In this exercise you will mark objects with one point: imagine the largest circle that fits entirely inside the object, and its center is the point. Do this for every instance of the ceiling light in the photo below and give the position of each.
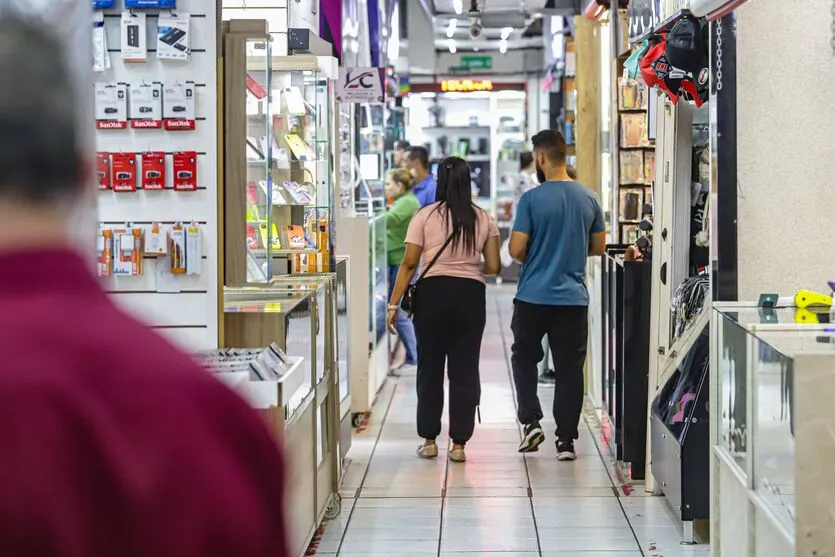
(452, 48)
(503, 46)
(458, 6)
(506, 32)
(476, 49)
(450, 31)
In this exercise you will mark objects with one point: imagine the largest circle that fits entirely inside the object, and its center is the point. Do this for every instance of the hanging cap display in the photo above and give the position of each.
(656, 70)
(687, 51)
(633, 62)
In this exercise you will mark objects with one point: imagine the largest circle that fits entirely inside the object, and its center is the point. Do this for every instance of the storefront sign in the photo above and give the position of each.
(466, 85)
(360, 85)
(477, 62)
(643, 16)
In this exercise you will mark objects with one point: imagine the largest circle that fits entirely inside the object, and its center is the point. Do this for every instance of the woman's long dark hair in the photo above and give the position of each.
(456, 200)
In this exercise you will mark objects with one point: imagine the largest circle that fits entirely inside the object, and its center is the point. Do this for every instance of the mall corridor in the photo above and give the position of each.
(498, 503)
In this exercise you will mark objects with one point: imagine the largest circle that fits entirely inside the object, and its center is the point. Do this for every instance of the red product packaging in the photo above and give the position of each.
(124, 171)
(103, 170)
(153, 170)
(185, 171)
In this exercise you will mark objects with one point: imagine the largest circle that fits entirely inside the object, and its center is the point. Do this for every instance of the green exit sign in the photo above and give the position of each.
(477, 62)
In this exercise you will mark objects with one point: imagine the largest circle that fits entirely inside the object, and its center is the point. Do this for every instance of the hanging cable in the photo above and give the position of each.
(688, 302)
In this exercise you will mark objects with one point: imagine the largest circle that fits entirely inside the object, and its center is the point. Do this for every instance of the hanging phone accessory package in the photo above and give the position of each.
(124, 172)
(146, 106)
(103, 170)
(173, 36)
(111, 106)
(134, 40)
(101, 58)
(179, 107)
(185, 171)
(153, 170)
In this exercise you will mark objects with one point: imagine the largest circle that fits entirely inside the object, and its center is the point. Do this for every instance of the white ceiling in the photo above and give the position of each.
(496, 17)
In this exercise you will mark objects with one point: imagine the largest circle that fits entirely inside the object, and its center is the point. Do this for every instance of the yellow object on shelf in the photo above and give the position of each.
(807, 298)
(300, 149)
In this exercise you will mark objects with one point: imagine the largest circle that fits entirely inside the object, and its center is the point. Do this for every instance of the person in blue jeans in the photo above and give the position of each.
(399, 183)
(558, 226)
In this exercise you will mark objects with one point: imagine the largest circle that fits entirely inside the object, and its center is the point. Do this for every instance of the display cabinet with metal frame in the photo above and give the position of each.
(772, 480)
(278, 187)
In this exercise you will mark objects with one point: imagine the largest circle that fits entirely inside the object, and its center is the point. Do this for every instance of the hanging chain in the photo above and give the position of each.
(719, 53)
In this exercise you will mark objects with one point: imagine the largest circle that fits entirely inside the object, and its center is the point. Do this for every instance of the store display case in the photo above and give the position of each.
(295, 318)
(771, 434)
(279, 193)
(625, 341)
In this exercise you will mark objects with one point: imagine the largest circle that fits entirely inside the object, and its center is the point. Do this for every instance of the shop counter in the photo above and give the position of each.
(773, 483)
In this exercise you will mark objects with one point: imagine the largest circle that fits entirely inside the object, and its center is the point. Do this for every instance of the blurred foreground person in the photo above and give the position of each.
(114, 443)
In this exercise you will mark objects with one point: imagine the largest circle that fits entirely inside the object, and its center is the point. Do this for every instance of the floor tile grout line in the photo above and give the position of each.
(518, 426)
(367, 468)
(443, 503)
(614, 487)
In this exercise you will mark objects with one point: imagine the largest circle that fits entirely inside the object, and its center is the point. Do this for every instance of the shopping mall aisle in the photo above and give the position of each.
(498, 503)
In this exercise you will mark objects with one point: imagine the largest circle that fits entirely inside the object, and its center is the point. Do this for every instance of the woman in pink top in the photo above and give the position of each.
(450, 315)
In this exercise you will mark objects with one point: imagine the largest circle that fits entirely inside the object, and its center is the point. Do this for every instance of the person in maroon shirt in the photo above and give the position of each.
(114, 443)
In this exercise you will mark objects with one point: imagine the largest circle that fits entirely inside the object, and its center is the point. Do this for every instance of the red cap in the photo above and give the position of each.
(655, 68)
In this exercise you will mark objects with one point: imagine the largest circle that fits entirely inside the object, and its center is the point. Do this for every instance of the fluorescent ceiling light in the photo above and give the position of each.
(450, 31)
(458, 6)
(506, 32)
(452, 48)
(503, 46)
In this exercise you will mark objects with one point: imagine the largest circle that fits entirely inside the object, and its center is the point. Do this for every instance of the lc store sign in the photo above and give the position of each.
(360, 85)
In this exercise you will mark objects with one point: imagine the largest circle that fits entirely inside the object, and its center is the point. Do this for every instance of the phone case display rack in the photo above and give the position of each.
(155, 86)
(636, 158)
(297, 314)
(278, 194)
(771, 443)
(626, 303)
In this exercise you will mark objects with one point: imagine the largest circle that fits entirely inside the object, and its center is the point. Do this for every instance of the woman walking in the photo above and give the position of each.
(452, 234)
(399, 183)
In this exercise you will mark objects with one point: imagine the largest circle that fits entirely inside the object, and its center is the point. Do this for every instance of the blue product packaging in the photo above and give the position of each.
(159, 4)
(103, 4)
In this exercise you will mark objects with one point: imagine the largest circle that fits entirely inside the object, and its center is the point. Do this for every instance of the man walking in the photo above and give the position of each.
(114, 442)
(558, 225)
(417, 162)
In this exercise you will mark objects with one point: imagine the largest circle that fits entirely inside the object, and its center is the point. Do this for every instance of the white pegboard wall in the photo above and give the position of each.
(184, 308)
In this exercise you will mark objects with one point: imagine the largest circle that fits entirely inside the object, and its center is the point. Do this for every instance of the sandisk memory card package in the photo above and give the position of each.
(185, 171)
(153, 170)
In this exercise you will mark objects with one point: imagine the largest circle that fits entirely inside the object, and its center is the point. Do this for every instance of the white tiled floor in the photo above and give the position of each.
(499, 503)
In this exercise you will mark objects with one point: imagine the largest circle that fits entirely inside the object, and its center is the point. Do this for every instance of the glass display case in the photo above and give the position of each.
(278, 189)
(378, 263)
(772, 431)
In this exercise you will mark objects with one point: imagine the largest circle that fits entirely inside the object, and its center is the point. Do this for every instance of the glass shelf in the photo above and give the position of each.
(278, 154)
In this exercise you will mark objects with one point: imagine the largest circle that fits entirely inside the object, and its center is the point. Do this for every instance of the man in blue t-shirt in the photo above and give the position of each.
(417, 162)
(558, 225)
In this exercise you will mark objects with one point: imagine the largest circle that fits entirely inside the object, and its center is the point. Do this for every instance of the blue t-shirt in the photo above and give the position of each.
(426, 191)
(558, 218)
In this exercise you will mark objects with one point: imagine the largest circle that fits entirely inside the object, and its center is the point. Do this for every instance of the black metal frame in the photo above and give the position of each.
(626, 295)
(725, 268)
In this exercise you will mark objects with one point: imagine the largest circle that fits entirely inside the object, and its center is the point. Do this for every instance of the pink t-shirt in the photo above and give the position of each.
(430, 228)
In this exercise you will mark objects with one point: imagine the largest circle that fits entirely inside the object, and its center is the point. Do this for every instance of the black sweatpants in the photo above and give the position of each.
(567, 329)
(449, 323)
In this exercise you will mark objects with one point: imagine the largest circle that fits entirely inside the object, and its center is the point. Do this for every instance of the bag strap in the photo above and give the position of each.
(437, 255)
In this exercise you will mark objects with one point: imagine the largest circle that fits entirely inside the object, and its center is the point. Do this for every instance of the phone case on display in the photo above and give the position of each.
(185, 171)
(177, 249)
(124, 171)
(153, 170)
(103, 170)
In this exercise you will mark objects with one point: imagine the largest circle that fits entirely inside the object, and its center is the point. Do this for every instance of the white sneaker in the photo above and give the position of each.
(428, 450)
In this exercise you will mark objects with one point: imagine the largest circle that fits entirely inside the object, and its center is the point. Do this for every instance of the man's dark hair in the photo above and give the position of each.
(401, 145)
(40, 159)
(525, 160)
(421, 155)
(552, 143)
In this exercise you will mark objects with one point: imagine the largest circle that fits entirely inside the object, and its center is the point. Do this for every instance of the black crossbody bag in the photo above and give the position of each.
(407, 304)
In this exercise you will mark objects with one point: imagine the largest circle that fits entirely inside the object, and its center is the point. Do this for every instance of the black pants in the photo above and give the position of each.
(567, 329)
(449, 322)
